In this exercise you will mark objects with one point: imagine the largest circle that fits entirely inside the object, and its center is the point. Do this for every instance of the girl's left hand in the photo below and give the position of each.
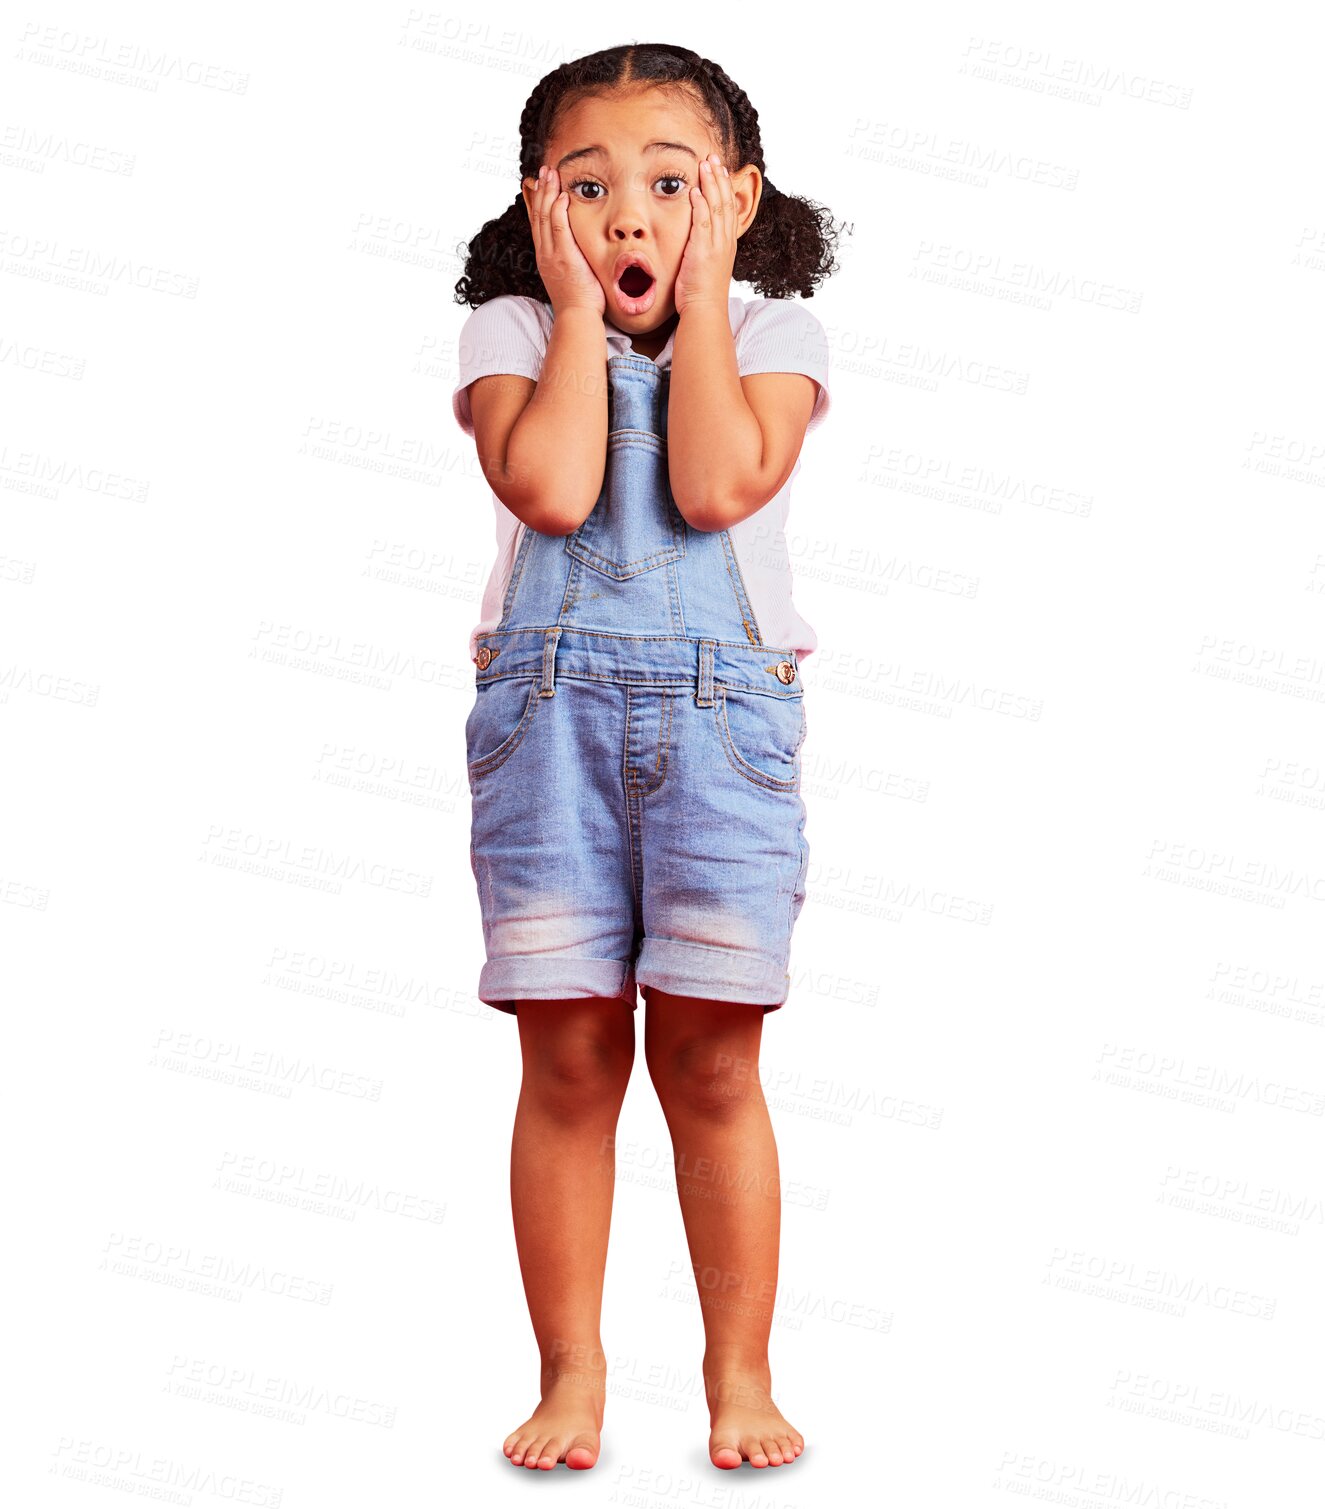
(710, 252)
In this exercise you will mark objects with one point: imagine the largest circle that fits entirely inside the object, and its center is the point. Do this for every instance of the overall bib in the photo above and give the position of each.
(634, 752)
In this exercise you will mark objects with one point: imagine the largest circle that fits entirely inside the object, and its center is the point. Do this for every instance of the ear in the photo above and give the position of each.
(747, 190)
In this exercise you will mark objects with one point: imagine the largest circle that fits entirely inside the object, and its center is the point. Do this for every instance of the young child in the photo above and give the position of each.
(634, 744)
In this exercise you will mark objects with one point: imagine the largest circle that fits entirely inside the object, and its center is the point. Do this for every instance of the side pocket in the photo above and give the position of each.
(762, 737)
(498, 721)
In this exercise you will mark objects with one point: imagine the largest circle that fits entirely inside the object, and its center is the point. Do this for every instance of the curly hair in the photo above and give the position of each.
(788, 246)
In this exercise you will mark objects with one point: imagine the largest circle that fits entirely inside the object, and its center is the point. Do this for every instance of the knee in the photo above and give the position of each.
(705, 1075)
(578, 1076)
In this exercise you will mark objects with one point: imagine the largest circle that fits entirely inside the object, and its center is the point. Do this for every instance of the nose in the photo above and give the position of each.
(628, 214)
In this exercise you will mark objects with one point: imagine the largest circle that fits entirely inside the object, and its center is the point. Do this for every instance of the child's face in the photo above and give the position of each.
(628, 197)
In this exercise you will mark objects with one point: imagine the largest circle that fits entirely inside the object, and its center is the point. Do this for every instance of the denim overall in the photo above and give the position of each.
(634, 751)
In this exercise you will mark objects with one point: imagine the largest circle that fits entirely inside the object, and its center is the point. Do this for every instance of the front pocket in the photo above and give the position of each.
(499, 720)
(635, 525)
(762, 736)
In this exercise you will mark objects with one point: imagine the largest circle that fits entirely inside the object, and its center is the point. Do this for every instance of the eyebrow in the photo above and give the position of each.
(653, 146)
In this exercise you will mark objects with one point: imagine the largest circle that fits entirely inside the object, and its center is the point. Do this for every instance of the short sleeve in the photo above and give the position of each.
(781, 335)
(506, 334)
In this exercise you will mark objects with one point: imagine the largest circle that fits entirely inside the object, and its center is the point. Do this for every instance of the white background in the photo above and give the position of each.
(1048, 1090)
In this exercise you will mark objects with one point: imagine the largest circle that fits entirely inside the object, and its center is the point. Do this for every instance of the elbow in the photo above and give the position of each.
(555, 519)
(547, 514)
(706, 521)
(713, 510)
(703, 514)
(708, 515)
(722, 510)
(546, 499)
(555, 513)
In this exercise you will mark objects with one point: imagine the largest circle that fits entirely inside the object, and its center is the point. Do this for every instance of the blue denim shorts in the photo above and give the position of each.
(636, 815)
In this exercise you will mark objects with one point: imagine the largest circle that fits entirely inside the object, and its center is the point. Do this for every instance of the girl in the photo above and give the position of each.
(634, 743)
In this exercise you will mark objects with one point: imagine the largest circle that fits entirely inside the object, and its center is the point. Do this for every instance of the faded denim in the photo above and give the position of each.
(634, 752)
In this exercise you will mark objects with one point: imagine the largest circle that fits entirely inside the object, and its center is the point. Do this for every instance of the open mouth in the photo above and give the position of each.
(635, 282)
(635, 290)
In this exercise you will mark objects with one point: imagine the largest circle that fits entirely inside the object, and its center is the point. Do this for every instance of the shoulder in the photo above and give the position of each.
(506, 335)
(777, 317)
(782, 335)
(511, 321)
(781, 329)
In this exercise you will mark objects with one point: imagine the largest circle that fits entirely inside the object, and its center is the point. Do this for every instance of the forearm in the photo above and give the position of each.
(714, 481)
(557, 448)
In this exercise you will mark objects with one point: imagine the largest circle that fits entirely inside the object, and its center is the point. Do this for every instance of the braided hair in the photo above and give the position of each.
(787, 248)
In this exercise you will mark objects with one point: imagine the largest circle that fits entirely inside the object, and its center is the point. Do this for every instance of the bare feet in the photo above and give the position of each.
(746, 1424)
(565, 1425)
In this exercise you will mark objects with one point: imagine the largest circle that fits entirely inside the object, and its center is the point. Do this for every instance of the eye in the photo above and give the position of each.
(679, 179)
(583, 183)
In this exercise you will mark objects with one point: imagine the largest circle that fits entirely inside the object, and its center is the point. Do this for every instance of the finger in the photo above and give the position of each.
(547, 205)
(732, 214)
(539, 219)
(557, 201)
(728, 197)
(559, 212)
(538, 211)
(719, 192)
(713, 198)
(725, 210)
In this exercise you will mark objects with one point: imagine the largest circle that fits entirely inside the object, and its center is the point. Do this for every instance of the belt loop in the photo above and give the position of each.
(704, 691)
(549, 686)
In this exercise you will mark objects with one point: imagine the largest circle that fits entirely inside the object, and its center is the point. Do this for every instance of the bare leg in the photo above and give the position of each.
(703, 1058)
(577, 1060)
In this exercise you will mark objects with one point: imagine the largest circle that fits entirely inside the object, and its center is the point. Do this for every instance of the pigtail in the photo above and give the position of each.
(788, 248)
(501, 259)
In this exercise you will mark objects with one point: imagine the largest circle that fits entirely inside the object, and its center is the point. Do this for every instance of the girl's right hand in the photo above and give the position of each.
(566, 274)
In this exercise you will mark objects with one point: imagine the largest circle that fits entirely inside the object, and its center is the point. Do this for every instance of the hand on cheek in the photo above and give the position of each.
(563, 267)
(710, 252)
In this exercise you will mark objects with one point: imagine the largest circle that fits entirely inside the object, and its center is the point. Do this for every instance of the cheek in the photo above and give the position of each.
(675, 224)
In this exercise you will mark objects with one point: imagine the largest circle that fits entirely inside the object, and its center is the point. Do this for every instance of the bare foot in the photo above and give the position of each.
(565, 1426)
(746, 1424)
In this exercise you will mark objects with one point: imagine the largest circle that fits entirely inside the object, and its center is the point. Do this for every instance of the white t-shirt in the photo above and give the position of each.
(510, 334)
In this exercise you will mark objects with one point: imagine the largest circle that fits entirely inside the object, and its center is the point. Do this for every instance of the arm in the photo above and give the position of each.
(543, 445)
(762, 419)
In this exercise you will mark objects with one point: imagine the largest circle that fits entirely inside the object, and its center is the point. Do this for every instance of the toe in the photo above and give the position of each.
(786, 1448)
(772, 1451)
(516, 1452)
(532, 1453)
(724, 1451)
(550, 1455)
(753, 1447)
(582, 1452)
